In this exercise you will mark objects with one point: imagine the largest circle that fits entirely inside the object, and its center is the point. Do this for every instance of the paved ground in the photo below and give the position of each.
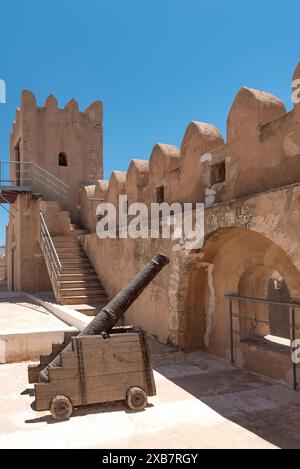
(202, 402)
(20, 314)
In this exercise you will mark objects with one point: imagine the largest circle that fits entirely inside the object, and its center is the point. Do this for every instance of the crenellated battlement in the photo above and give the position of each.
(261, 152)
(63, 141)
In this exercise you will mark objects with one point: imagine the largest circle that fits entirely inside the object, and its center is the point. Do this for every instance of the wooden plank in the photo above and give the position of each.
(44, 393)
(70, 387)
(56, 374)
(105, 358)
(115, 338)
(43, 403)
(110, 349)
(69, 355)
(100, 367)
(61, 374)
(151, 388)
(95, 386)
(97, 397)
(116, 380)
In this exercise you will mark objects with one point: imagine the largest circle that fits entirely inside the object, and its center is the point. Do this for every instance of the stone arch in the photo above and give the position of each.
(217, 269)
(257, 282)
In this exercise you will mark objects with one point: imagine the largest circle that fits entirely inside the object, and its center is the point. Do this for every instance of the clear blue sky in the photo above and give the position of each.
(156, 64)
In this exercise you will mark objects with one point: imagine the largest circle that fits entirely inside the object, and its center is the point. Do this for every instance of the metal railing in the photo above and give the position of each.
(12, 210)
(292, 323)
(53, 263)
(31, 177)
(3, 272)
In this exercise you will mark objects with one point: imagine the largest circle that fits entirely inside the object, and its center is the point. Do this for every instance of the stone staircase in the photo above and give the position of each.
(79, 285)
(3, 286)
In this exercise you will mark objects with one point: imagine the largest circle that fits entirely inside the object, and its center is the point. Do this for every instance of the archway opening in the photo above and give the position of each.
(267, 321)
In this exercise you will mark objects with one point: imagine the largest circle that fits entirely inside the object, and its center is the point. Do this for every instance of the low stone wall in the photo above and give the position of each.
(17, 346)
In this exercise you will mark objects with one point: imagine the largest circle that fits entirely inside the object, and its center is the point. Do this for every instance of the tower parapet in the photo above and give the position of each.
(65, 142)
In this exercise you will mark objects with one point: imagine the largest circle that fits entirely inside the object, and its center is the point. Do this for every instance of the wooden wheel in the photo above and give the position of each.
(61, 407)
(136, 398)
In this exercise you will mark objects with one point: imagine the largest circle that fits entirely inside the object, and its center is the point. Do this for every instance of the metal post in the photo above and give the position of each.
(231, 332)
(292, 338)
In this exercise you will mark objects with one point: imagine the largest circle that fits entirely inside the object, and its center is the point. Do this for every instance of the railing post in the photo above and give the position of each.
(292, 338)
(231, 332)
(52, 260)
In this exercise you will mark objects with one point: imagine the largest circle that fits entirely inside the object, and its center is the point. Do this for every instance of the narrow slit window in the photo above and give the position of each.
(160, 194)
(62, 159)
(218, 173)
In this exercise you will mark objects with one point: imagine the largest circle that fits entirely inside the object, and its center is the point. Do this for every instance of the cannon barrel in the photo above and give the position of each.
(108, 317)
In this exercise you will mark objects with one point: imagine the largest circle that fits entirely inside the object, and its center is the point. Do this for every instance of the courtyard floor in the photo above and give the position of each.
(19, 314)
(201, 402)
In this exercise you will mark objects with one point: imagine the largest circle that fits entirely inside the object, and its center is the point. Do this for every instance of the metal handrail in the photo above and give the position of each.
(3, 272)
(29, 175)
(52, 260)
(293, 307)
(12, 207)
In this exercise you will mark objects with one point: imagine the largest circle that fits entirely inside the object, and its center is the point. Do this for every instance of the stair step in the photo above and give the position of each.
(64, 237)
(81, 284)
(76, 261)
(79, 277)
(79, 270)
(72, 255)
(80, 231)
(66, 292)
(83, 299)
(70, 241)
(68, 248)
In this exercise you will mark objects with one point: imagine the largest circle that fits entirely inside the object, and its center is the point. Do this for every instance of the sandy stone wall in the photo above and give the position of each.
(40, 134)
(250, 188)
(26, 268)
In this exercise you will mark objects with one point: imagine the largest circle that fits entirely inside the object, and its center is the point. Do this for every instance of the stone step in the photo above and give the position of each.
(67, 248)
(69, 262)
(72, 255)
(81, 276)
(80, 270)
(65, 292)
(69, 241)
(65, 237)
(79, 231)
(81, 284)
(83, 299)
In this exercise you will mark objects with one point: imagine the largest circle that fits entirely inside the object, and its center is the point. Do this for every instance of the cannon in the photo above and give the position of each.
(103, 363)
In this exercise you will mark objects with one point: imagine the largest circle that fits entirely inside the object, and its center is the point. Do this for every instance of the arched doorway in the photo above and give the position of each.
(269, 321)
(236, 261)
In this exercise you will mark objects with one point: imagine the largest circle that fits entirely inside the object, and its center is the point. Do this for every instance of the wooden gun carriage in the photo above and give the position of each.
(99, 370)
(103, 363)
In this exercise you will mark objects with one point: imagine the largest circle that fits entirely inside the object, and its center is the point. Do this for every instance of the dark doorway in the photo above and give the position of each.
(278, 314)
(62, 159)
(17, 157)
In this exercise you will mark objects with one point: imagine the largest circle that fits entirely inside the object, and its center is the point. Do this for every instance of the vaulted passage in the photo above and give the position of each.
(245, 263)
